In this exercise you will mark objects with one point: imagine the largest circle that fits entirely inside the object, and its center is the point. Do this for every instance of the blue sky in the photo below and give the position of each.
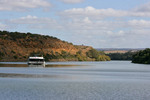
(97, 23)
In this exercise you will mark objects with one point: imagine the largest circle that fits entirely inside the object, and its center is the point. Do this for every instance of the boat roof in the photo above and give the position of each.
(36, 57)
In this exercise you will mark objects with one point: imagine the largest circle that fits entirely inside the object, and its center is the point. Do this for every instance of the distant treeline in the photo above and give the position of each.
(142, 57)
(121, 56)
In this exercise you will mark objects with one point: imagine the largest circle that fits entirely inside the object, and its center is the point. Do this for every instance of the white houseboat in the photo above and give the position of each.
(36, 62)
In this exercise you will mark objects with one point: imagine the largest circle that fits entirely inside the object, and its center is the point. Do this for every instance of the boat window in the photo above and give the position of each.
(36, 59)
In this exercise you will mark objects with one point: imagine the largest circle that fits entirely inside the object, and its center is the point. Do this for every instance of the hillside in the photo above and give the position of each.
(16, 46)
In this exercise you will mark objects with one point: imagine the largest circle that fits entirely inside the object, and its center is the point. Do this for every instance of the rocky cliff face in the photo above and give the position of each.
(15, 46)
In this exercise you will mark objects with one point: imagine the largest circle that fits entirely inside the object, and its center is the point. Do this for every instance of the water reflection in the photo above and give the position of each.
(49, 65)
(13, 65)
(62, 65)
(15, 75)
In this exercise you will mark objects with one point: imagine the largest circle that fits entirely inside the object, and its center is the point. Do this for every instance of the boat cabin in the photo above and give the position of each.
(36, 62)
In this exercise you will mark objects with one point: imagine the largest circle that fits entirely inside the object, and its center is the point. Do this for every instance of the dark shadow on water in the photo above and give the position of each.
(13, 65)
(49, 65)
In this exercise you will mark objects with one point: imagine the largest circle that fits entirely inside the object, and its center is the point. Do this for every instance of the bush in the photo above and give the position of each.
(15, 57)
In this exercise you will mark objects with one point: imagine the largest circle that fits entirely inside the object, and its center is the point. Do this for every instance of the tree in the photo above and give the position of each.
(93, 53)
(142, 57)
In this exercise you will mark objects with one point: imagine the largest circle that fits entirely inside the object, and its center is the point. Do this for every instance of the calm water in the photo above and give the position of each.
(114, 80)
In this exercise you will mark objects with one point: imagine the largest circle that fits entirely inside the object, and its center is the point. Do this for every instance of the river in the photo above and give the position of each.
(112, 80)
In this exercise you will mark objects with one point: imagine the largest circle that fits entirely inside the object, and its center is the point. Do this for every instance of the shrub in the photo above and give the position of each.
(15, 57)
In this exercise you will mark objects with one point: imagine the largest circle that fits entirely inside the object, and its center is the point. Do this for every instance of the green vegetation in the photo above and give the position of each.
(1, 55)
(97, 55)
(17, 35)
(80, 56)
(142, 57)
(13, 52)
(92, 55)
(16, 57)
(63, 55)
(121, 56)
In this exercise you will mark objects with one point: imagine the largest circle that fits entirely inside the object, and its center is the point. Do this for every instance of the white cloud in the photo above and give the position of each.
(35, 22)
(72, 1)
(141, 11)
(19, 5)
(93, 13)
(139, 24)
(29, 17)
(140, 33)
(143, 8)
(87, 20)
(117, 34)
